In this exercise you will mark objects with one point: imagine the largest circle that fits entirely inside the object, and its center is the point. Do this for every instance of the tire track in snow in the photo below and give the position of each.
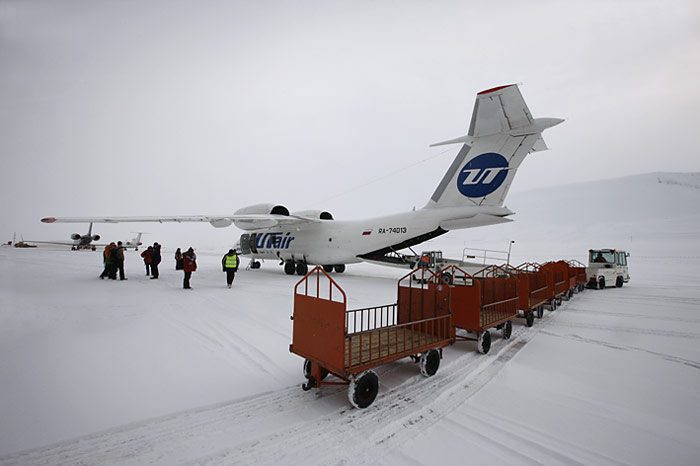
(398, 415)
(640, 316)
(276, 427)
(633, 330)
(668, 357)
(502, 430)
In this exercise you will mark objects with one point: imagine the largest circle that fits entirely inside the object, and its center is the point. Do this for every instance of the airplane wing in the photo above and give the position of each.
(244, 221)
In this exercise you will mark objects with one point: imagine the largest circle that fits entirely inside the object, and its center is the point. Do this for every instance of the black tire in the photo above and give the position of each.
(302, 269)
(619, 282)
(429, 362)
(363, 389)
(446, 278)
(507, 330)
(540, 311)
(328, 268)
(601, 283)
(255, 265)
(483, 344)
(529, 318)
(339, 268)
(289, 268)
(307, 370)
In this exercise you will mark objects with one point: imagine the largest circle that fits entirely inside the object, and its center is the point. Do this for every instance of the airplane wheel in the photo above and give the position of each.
(289, 268)
(328, 268)
(340, 268)
(302, 269)
(446, 278)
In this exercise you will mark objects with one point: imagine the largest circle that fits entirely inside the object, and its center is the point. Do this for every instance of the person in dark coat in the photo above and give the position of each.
(107, 261)
(178, 259)
(230, 265)
(147, 259)
(119, 260)
(189, 265)
(155, 260)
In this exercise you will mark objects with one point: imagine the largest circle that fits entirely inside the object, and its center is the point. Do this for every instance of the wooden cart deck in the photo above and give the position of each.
(368, 346)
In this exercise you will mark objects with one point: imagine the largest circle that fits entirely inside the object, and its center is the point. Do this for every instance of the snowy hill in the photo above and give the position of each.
(650, 215)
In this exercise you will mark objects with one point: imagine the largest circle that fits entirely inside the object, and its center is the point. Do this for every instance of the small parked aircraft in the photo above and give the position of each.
(86, 241)
(471, 194)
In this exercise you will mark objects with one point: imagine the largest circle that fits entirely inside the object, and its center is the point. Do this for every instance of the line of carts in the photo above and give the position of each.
(432, 310)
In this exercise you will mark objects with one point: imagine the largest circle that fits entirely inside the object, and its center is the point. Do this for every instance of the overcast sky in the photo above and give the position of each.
(203, 107)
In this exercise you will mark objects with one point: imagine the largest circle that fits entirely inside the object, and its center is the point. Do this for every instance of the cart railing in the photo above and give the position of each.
(314, 285)
(495, 312)
(369, 348)
(370, 318)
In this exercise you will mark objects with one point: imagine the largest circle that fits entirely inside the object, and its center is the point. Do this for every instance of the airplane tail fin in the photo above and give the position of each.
(502, 132)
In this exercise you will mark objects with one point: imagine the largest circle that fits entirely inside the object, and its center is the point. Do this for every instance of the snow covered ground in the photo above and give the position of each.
(143, 372)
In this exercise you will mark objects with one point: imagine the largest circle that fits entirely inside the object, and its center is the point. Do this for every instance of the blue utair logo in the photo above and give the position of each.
(482, 175)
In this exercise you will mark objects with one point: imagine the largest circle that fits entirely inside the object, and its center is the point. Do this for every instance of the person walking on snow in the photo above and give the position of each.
(230, 265)
(189, 265)
(155, 260)
(119, 260)
(147, 259)
(178, 259)
(107, 260)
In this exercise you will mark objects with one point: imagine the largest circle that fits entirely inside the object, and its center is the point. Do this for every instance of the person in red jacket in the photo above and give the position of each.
(189, 265)
(147, 259)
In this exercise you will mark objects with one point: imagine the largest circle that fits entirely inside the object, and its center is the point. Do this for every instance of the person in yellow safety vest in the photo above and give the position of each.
(230, 265)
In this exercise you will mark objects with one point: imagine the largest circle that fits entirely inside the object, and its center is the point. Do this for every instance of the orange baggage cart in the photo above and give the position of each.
(488, 299)
(350, 343)
(532, 290)
(557, 282)
(579, 271)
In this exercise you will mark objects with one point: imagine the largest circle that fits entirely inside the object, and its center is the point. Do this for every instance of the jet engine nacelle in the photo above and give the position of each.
(75, 236)
(259, 209)
(96, 238)
(319, 214)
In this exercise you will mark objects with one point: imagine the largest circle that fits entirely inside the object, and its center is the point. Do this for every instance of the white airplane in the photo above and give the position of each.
(86, 241)
(471, 194)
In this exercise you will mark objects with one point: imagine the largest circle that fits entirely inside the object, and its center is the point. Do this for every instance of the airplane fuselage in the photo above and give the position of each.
(343, 242)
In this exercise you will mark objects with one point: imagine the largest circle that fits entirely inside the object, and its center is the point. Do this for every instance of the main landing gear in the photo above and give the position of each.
(301, 268)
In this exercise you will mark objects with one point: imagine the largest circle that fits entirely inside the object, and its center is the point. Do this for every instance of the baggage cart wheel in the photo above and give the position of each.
(529, 318)
(483, 343)
(429, 362)
(540, 311)
(619, 282)
(552, 304)
(507, 330)
(559, 301)
(601, 283)
(363, 389)
(307, 370)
